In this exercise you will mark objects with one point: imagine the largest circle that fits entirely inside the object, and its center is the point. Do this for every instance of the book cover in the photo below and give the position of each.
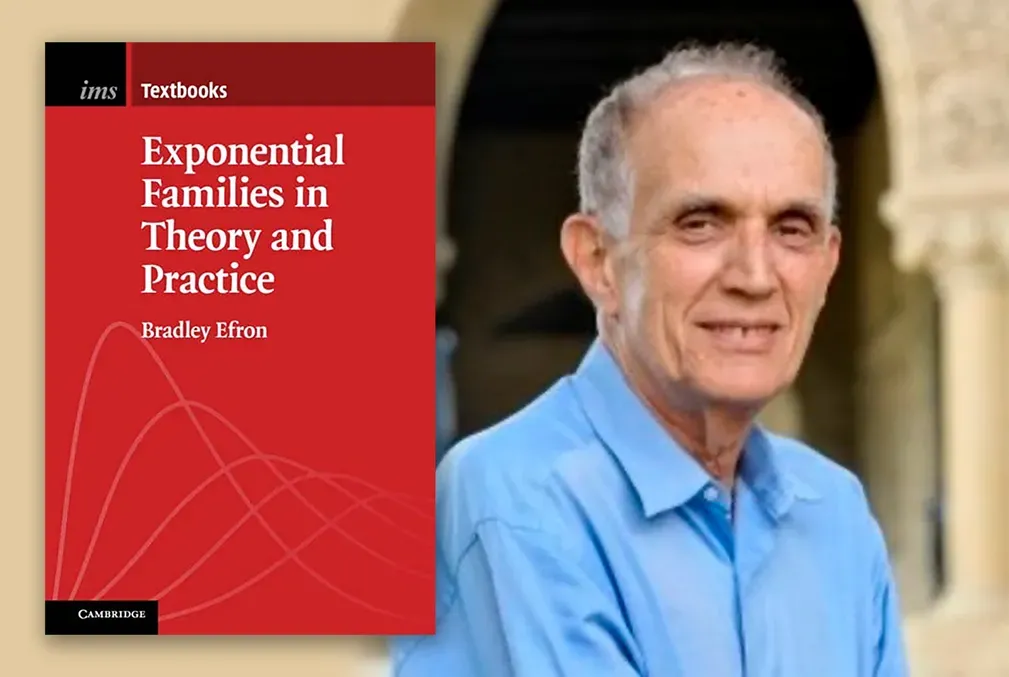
(240, 292)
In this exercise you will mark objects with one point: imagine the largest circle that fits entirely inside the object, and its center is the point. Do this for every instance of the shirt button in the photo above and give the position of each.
(711, 494)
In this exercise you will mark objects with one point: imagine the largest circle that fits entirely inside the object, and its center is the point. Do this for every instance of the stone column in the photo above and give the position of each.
(973, 340)
(965, 248)
(965, 245)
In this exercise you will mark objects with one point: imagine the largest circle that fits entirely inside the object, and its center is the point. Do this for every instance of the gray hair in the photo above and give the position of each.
(604, 175)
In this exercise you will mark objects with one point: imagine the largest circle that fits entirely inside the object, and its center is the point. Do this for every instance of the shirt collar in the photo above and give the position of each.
(764, 471)
(663, 474)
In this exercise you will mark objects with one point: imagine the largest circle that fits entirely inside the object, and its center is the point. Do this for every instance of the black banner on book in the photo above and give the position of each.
(86, 74)
(101, 618)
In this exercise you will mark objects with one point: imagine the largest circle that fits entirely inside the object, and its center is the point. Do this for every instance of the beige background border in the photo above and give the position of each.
(24, 649)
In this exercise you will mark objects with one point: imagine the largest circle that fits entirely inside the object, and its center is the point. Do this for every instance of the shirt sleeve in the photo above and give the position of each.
(891, 659)
(531, 611)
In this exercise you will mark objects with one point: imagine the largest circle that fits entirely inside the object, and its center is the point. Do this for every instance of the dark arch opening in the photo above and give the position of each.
(541, 65)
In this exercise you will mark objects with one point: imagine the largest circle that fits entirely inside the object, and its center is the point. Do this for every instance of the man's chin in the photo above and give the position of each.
(748, 396)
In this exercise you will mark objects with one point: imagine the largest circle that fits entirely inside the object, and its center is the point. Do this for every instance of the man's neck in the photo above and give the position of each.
(713, 434)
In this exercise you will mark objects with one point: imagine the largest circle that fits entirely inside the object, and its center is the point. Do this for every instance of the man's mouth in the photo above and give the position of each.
(742, 336)
(741, 329)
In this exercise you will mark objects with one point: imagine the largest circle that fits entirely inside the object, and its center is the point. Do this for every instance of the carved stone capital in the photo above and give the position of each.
(960, 241)
(959, 60)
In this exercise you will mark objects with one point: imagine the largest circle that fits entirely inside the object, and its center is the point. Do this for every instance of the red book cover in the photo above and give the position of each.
(239, 275)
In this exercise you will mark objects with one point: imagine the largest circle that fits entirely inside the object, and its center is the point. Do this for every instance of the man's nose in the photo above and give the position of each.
(749, 266)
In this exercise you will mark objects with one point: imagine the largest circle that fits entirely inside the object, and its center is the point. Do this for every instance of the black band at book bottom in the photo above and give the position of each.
(118, 617)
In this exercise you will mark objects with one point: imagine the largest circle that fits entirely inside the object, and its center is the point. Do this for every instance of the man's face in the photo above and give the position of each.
(730, 248)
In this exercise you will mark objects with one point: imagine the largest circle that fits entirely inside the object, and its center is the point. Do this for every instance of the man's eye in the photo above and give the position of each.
(696, 225)
(697, 229)
(795, 229)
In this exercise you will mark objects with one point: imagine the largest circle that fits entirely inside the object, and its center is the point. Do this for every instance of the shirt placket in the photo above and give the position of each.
(718, 506)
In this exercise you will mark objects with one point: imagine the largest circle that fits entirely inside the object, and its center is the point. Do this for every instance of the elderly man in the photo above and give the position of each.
(633, 520)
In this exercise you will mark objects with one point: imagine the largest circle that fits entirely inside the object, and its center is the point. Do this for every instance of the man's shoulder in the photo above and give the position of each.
(505, 472)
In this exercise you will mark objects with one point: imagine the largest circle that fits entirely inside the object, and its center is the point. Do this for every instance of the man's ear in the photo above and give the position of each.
(585, 247)
(834, 246)
(833, 258)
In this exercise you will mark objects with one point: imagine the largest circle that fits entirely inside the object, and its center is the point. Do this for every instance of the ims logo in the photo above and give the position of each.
(94, 93)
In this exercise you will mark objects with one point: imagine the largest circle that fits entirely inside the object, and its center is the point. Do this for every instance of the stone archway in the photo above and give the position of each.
(944, 69)
(457, 26)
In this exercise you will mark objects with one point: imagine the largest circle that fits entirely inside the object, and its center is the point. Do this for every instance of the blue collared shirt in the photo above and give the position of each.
(576, 539)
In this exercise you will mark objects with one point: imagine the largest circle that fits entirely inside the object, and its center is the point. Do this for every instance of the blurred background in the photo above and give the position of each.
(904, 385)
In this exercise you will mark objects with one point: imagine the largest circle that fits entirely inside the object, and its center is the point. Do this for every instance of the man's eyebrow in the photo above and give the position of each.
(810, 210)
(693, 205)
